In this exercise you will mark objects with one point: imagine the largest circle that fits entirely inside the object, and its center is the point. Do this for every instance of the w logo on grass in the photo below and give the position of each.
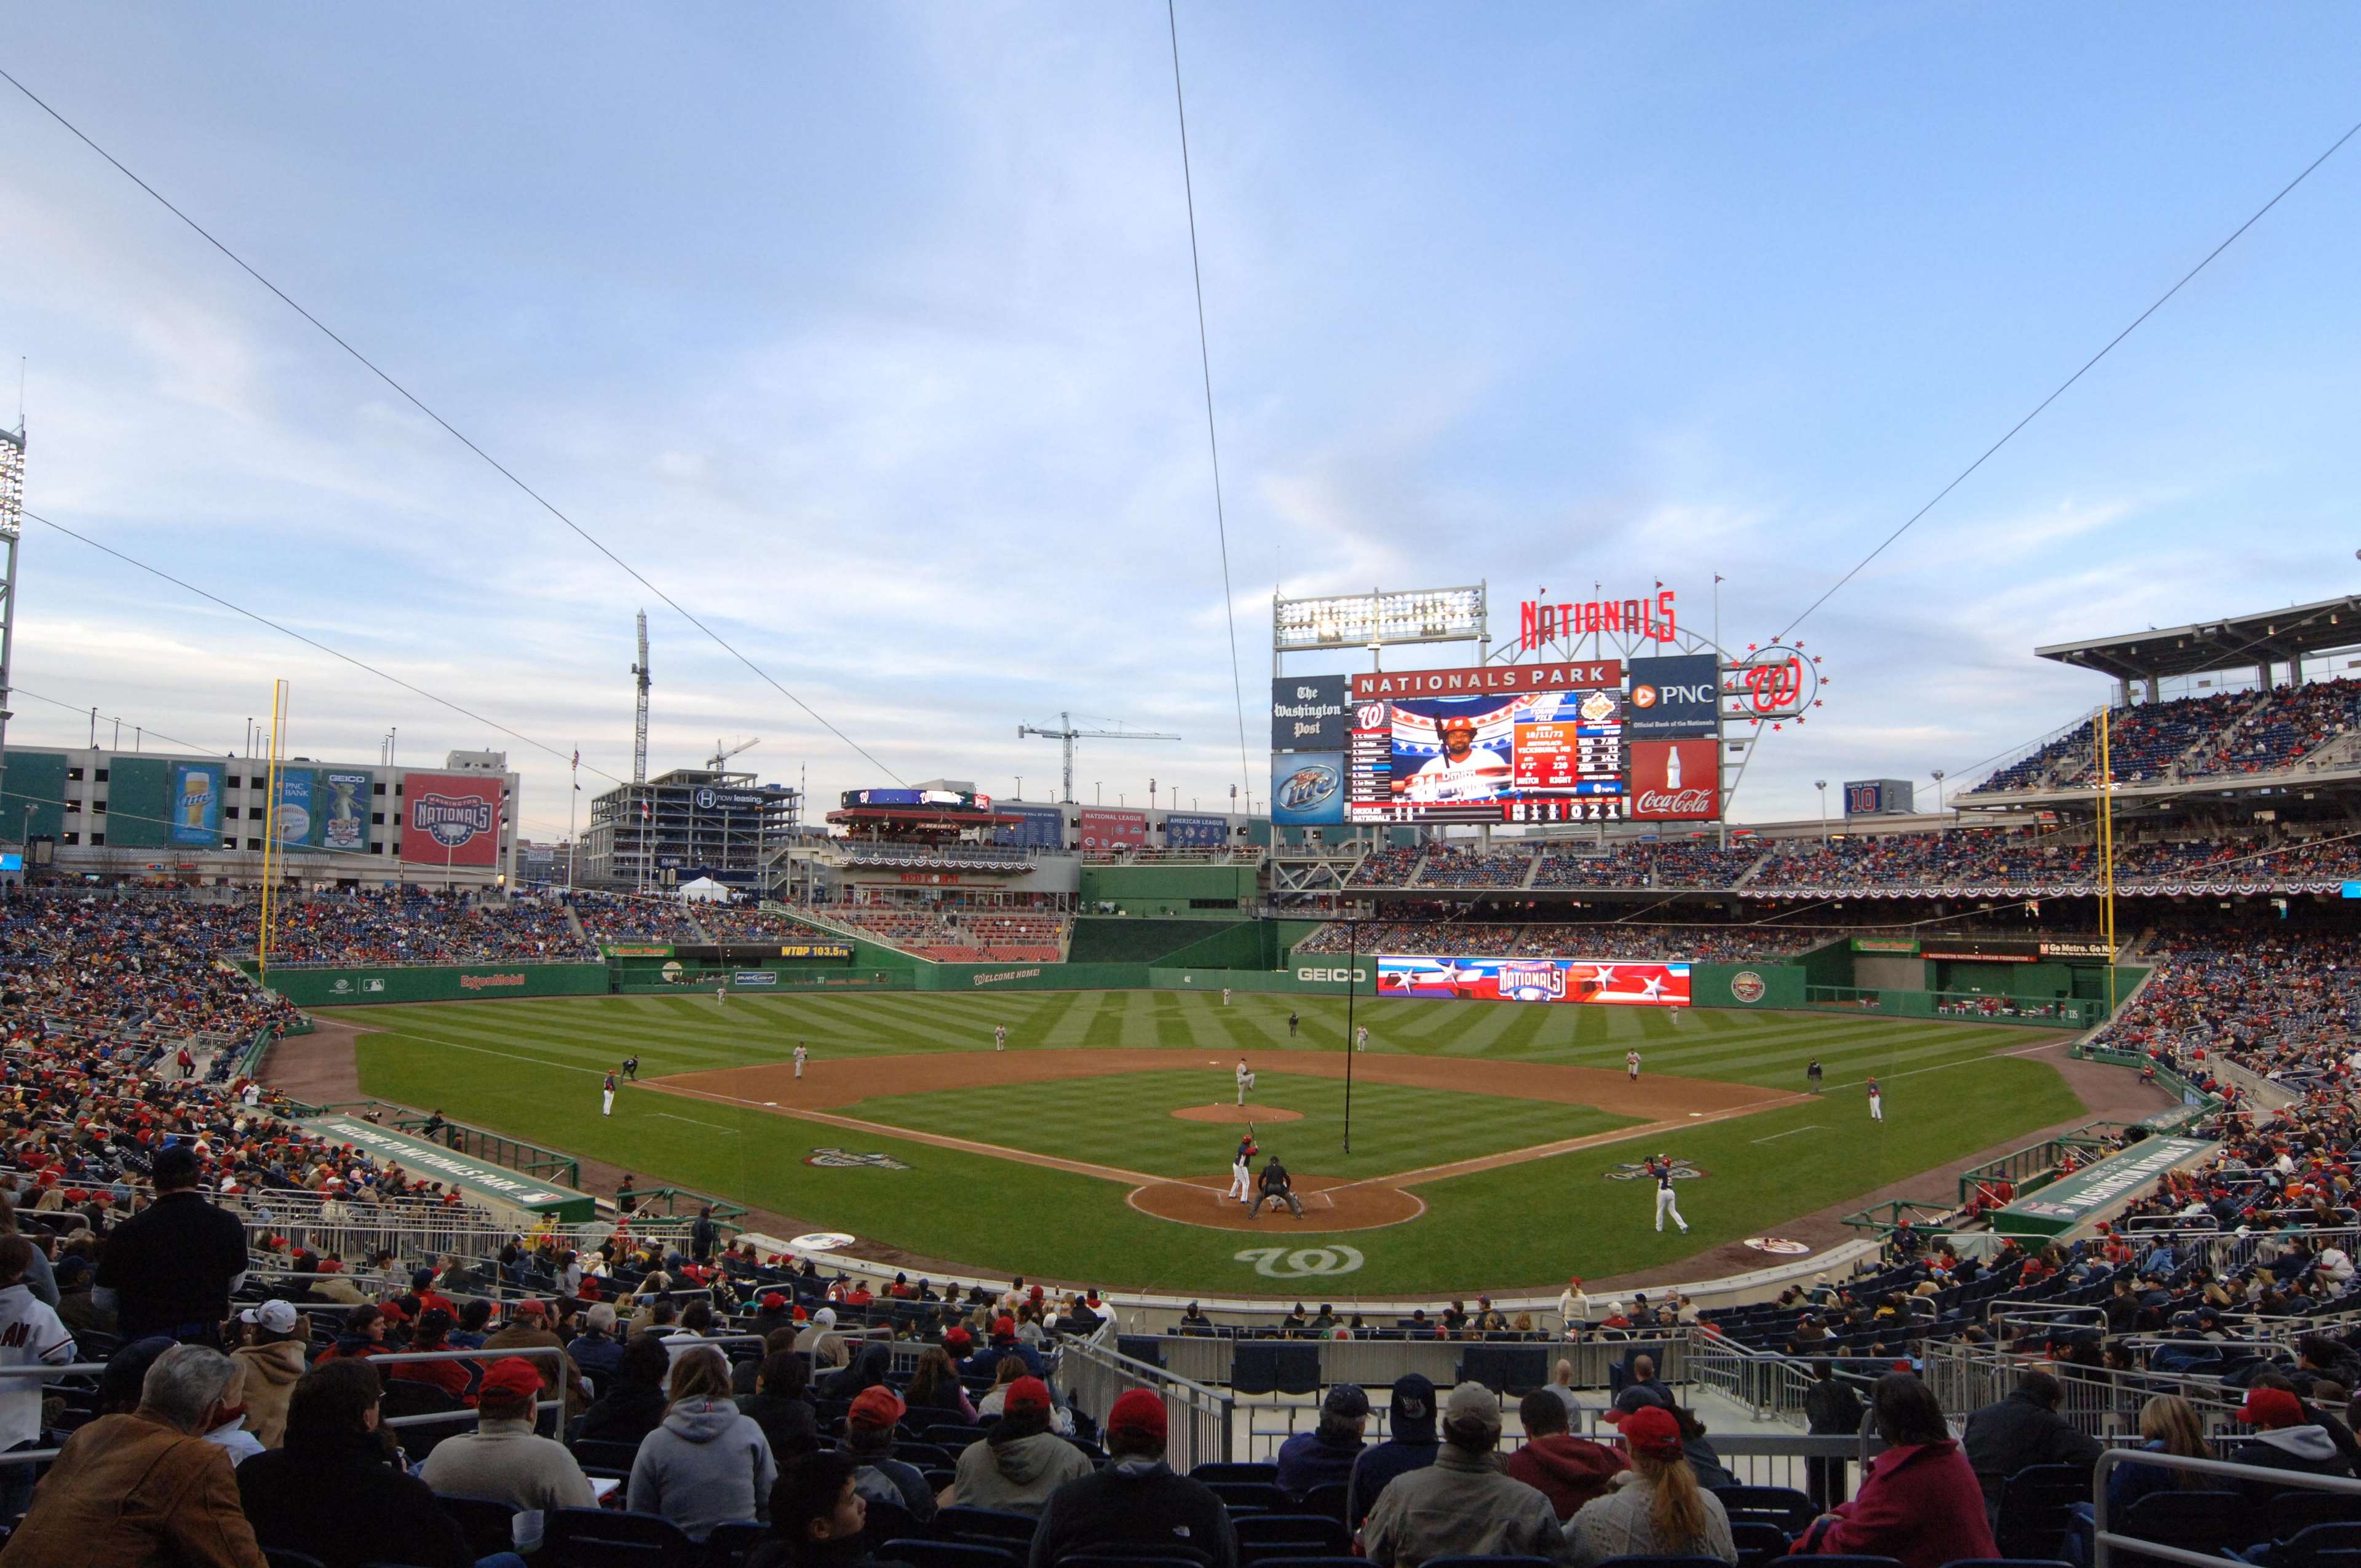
(1303, 1263)
(846, 1159)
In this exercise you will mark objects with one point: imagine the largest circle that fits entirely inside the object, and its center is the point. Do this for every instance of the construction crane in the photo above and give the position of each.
(1069, 734)
(640, 724)
(723, 752)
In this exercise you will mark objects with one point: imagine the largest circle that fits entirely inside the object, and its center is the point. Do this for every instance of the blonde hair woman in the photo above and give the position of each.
(2168, 1424)
(1661, 1511)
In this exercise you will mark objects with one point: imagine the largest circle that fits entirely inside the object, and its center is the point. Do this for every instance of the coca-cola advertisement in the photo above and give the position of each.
(1675, 781)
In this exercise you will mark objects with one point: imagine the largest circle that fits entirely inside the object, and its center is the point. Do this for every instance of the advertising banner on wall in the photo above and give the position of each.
(1307, 713)
(1675, 781)
(1676, 698)
(295, 824)
(1043, 828)
(196, 799)
(343, 809)
(1307, 788)
(1112, 830)
(450, 819)
(1536, 980)
(1195, 832)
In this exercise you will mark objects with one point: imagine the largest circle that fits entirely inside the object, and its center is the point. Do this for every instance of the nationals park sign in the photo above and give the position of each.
(2099, 1191)
(485, 1182)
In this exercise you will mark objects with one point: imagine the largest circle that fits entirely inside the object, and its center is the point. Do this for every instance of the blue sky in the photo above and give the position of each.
(868, 332)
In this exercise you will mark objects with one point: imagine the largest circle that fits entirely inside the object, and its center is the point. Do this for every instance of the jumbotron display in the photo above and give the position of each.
(1499, 743)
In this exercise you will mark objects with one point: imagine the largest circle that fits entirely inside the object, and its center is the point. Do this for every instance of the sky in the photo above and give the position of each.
(868, 335)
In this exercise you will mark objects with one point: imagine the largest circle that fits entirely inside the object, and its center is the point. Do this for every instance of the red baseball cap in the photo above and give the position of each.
(1651, 1430)
(1027, 1393)
(877, 1406)
(512, 1378)
(2271, 1409)
(1137, 1410)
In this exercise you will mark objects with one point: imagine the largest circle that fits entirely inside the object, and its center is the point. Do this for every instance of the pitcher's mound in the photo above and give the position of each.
(1238, 1115)
(1328, 1205)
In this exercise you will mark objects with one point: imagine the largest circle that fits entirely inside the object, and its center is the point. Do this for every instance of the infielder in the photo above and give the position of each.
(607, 1097)
(1292, 1021)
(1246, 1080)
(1876, 1102)
(800, 1054)
(1632, 1071)
(1361, 1038)
(631, 1068)
(1812, 1075)
(1661, 1167)
(1242, 1170)
(1000, 1036)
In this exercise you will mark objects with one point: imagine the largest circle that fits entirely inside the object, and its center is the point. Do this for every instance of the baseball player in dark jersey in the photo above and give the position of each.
(1661, 1167)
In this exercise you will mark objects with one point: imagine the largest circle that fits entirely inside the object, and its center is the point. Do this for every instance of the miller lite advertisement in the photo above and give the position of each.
(1675, 781)
(451, 819)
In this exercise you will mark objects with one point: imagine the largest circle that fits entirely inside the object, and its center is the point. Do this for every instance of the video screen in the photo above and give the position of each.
(1611, 983)
(1555, 756)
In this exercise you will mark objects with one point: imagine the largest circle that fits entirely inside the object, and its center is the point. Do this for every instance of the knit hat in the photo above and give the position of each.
(511, 1378)
(1137, 1410)
(1026, 1394)
(876, 1406)
(2271, 1409)
(1651, 1430)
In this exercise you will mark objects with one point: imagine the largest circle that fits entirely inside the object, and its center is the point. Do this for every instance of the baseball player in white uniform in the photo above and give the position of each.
(1361, 1038)
(607, 1096)
(1246, 1080)
(1000, 1036)
(1242, 1170)
(1632, 1065)
(1661, 1167)
(1876, 1102)
(801, 1055)
(1226, 996)
(721, 994)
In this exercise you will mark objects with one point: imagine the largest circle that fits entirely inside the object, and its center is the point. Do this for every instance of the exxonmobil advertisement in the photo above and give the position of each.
(1675, 781)
(450, 819)
(1536, 980)
(1112, 830)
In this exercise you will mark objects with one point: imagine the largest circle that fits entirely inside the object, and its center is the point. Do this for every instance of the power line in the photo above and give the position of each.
(562, 755)
(1205, 363)
(453, 431)
(1961, 476)
(78, 710)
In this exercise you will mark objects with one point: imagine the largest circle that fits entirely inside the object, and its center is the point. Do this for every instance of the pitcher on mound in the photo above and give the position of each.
(1246, 1080)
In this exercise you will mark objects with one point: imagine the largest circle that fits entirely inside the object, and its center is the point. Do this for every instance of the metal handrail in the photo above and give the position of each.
(2104, 1541)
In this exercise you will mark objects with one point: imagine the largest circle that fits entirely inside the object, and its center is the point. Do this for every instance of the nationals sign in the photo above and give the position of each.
(451, 819)
(1536, 980)
(1675, 781)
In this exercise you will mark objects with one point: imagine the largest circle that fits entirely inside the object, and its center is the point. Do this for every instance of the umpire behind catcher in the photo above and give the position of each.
(1275, 1185)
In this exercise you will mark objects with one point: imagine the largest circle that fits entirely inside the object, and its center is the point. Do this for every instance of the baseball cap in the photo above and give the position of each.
(877, 1406)
(1651, 1430)
(2271, 1409)
(773, 1302)
(420, 1279)
(529, 1309)
(177, 1163)
(434, 1320)
(1004, 1328)
(1137, 1410)
(279, 1317)
(1632, 1399)
(394, 1311)
(957, 1339)
(1027, 1393)
(512, 1378)
(1347, 1400)
(1472, 1402)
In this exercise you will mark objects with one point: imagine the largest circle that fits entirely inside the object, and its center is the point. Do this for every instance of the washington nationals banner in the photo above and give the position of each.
(1658, 985)
(450, 819)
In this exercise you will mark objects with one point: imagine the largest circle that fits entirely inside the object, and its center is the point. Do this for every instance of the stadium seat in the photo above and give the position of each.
(731, 1544)
(1783, 1507)
(1757, 1542)
(1289, 1535)
(958, 1523)
(2207, 1521)
(1214, 1470)
(606, 1459)
(1514, 1371)
(1635, 1562)
(2036, 1505)
(1855, 1561)
(279, 1559)
(1267, 1367)
(1312, 1563)
(488, 1526)
(1243, 1498)
(1330, 1500)
(1513, 1562)
(602, 1538)
(1110, 1560)
(950, 1555)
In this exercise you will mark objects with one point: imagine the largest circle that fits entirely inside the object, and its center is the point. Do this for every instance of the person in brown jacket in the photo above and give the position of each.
(529, 1329)
(145, 1490)
(1567, 1470)
(273, 1358)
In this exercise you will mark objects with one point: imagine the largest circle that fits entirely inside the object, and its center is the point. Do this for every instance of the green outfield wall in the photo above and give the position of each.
(449, 982)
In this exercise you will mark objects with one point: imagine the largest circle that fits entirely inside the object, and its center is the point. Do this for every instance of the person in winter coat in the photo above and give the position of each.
(777, 1405)
(1464, 1504)
(633, 1404)
(2285, 1439)
(869, 1438)
(504, 1460)
(2168, 1424)
(1656, 1509)
(2023, 1429)
(818, 1517)
(1567, 1470)
(1919, 1502)
(529, 1329)
(1016, 1468)
(1409, 1444)
(1710, 1471)
(273, 1358)
(1136, 1505)
(934, 1388)
(869, 1367)
(596, 1351)
(1830, 1409)
(336, 1489)
(1326, 1454)
(706, 1464)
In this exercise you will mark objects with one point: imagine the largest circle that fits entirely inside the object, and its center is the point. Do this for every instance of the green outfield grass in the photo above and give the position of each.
(531, 1069)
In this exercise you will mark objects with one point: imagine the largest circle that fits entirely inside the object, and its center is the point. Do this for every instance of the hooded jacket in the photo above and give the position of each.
(1569, 1471)
(2003, 1438)
(1410, 1445)
(1015, 1476)
(342, 1500)
(271, 1373)
(1463, 1504)
(1310, 1459)
(2307, 1448)
(1136, 1507)
(706, 1465)
(867, 1370)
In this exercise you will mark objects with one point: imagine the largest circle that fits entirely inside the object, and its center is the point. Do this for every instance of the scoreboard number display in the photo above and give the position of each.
(1527, 757)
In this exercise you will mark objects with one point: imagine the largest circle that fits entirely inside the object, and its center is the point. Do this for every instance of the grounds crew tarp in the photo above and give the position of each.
(491, 1184)
(2100, 1192)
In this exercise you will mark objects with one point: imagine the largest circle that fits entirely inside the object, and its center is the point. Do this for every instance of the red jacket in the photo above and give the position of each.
(1919, 1504)
(1569, 1471)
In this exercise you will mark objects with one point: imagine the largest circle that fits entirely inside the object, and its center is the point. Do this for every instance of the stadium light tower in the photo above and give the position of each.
(1069, 734)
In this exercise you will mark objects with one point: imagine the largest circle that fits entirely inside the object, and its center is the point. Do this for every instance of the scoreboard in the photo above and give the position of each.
(1554, 754)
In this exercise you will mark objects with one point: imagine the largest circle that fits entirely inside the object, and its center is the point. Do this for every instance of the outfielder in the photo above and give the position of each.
(1226, 996)
(1632, 1069)
(800, 1054)
(1242, 1170)
(721, 994)
(1812, 1075)
(1246, 1080)
(1361, 1038)
(1876, 1102)
(1661, 1167)
(607, 1097)
(1000, 1036)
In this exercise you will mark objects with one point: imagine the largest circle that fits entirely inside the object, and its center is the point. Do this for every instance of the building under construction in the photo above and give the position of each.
(685, 824)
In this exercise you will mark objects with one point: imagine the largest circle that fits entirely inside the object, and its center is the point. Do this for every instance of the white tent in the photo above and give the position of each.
(704, 890)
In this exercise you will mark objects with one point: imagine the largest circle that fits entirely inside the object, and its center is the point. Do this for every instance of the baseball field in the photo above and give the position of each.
(1490, 1142)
